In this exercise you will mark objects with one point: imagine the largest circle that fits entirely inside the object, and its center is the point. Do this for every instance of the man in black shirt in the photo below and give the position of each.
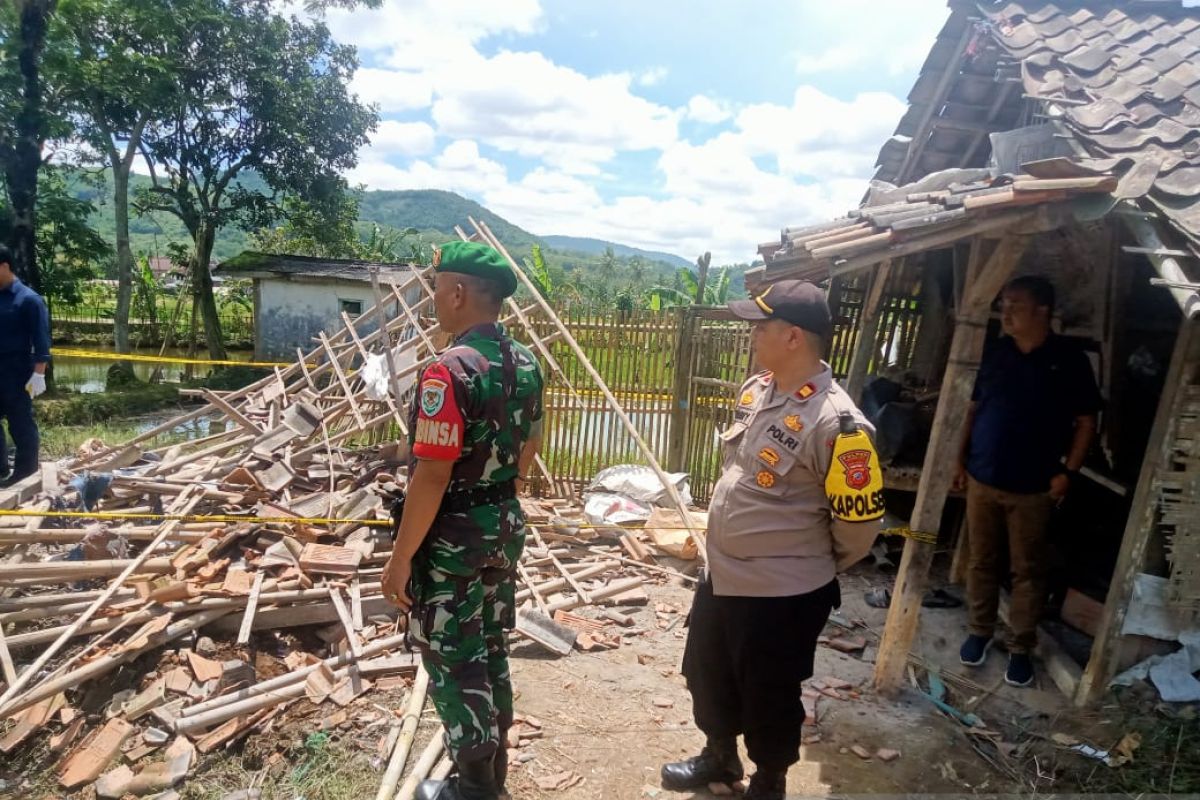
(1031, 422)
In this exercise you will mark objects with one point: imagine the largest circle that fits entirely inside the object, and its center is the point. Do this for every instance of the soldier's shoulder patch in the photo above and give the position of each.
(765, 479)
(440, 426)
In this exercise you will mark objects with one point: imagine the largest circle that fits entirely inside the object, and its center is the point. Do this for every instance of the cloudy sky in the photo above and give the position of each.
(670, 125)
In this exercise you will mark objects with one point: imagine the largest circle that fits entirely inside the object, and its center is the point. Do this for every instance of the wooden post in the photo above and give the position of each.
(1183, 371)
(682, 390)
(985, 279)
(868, 331)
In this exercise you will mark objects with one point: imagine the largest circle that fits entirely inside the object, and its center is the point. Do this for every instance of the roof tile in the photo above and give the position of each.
(1043, 13)
(1087, 59)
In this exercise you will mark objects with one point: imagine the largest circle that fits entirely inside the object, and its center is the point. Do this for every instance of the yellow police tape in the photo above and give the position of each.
(58, 351)
(115, 515)
(376, 523)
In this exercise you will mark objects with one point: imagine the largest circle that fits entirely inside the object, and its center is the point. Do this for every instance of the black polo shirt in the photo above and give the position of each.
(1026, 406)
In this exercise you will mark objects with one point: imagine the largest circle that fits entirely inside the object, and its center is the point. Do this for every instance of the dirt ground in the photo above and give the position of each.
(608, 720)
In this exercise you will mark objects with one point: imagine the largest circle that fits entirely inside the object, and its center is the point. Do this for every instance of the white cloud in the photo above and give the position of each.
(704, 109)
(527, 104)
(821, 135)
(416, 34)
(393, 90)
(652, 76)
(896, 40)
(402, 138)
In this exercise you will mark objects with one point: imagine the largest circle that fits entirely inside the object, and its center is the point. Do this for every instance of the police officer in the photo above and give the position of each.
(796, 503)
(24, 354)
(475, 427)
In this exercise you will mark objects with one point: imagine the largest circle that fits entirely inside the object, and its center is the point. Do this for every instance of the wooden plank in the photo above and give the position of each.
(1184, 369)
(987, 277)
(10, 672)
(341, 376)
(251, 608)
(343, 614)
(237, 416)
(356, 612)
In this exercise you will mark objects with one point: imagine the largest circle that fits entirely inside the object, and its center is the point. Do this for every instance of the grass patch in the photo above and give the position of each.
(68, 408)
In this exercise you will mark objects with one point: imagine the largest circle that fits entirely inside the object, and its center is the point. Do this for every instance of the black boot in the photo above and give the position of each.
(718, 762)
(767, 785)
(476, 780)
(500, 763)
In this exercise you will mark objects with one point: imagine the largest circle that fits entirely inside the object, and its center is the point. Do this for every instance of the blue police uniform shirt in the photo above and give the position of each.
(24, 326)
(1026, 407)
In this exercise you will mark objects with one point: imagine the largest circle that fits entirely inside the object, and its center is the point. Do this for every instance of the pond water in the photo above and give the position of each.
(86, 375)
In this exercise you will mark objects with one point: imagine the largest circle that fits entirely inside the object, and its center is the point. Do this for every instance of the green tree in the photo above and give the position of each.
(27, 120)
(535, 267)
(68, 249)
(305, 230)
(262, 110)
(126, 56)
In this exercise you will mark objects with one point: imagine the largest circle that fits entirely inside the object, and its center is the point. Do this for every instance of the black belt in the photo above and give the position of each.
(458, 502)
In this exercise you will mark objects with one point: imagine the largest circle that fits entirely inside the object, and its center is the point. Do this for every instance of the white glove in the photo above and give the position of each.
(36, 385)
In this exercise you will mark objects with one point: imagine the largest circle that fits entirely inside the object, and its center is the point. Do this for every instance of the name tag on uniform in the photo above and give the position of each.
(784, 437)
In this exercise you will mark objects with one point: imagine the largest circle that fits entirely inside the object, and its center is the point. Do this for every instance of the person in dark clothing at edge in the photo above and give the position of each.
(1030, 424)
(24, 354)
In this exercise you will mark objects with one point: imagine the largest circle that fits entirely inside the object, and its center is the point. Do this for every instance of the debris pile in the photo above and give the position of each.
(161, 601)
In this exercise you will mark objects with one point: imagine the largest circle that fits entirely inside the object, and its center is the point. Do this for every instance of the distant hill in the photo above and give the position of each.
(581, 244)
(432, 212)
(438, 211)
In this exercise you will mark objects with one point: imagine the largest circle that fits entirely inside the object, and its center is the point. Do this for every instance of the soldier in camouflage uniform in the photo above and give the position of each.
(474, 428)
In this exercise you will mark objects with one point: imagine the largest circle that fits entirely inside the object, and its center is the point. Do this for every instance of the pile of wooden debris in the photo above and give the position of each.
(158, 602)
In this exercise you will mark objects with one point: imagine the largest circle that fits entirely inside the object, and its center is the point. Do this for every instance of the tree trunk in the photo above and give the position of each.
(124, 256)
(204, 293)
(22, 170)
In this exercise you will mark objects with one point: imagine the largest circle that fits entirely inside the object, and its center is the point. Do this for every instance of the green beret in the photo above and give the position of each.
(480, 260)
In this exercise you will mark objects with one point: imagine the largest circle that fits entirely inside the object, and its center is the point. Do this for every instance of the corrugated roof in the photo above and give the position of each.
(935, 211)
(253, 264)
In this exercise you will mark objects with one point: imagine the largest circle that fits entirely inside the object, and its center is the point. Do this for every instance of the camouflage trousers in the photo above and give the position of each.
(458, 624)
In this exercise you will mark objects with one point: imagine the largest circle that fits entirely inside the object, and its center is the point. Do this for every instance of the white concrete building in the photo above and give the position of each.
(297, 297)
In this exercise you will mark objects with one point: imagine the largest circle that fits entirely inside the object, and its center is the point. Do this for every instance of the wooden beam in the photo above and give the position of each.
(997, 103)
(680, 412)
(986, 276)
(1149, 237)
(1183, 371)
(868, 331)
(921, 138)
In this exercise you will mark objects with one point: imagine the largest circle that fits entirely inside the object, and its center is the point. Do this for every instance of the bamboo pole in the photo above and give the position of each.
(408, 730)
(429, 757)
(289, 678)
(188, 503)
(102, 665)
(672, 492)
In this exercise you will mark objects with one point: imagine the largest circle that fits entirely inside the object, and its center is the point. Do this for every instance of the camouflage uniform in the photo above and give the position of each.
(477, 405)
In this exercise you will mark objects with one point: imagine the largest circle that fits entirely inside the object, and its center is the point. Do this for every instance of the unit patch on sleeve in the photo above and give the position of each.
(439, 431)
(854, 483)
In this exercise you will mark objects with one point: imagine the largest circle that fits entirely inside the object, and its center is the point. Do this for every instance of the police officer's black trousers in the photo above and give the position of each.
(744, 661)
